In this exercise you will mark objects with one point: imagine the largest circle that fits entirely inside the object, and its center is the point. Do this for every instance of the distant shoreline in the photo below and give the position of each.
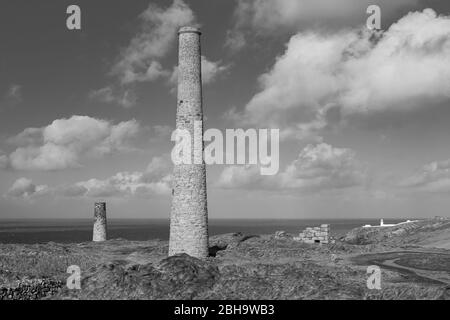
(213, 219)
(80, 230)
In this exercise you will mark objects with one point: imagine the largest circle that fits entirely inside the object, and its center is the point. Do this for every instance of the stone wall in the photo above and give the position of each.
(99, 233)
(189, 213)
(320, 235)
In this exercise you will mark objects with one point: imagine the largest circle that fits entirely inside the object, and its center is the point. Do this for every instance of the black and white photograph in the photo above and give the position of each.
(224, 155)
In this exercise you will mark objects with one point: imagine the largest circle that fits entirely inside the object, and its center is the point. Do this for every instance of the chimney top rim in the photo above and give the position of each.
(189, 29)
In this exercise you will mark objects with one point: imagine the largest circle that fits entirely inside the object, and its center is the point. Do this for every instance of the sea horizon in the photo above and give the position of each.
(275, 219)
(75, 230)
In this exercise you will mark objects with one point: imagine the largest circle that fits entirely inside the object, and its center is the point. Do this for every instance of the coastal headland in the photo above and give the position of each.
(414, 260)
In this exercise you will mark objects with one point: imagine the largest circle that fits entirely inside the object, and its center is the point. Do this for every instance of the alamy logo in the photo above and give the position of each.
(374, 280)
(74, 280)
(73, 22)
(189, 150)
(374, 21)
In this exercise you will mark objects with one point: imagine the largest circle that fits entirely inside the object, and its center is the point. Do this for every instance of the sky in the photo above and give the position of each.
(86, 115)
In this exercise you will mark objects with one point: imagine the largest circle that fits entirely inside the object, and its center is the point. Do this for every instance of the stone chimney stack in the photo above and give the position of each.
(189, 214)
(99, 222)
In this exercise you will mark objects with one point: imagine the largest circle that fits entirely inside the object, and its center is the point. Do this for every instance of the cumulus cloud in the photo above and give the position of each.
(125, 184)
(211, 70)
(140, 60)
(71, 191)
(143, 59)
(318, 167)
(235, 40)
(64, 142)
(326, 77)
(273, 16)
(154, 181)
(433, 178)
(25, 188)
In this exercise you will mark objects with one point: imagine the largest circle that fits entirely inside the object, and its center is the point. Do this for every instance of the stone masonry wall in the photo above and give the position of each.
(315, 234)
(189, 213)
(99, 222)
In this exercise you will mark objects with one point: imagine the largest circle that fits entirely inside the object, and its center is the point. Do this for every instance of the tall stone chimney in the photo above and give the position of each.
(99, 222)
(189, 214)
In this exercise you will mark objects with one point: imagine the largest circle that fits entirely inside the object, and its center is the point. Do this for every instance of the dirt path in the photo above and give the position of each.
(429, 271)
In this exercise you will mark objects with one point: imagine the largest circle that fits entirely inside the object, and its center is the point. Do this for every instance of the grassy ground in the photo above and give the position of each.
(242, 267)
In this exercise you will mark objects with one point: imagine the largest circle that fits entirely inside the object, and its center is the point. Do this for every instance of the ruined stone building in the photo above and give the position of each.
(315, 235)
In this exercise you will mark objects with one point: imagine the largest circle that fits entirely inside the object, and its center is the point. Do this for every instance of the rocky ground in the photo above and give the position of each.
(415, 262)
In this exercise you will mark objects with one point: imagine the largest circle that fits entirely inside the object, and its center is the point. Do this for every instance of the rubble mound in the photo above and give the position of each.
(30, 289)
(176, 277)
(228, 241)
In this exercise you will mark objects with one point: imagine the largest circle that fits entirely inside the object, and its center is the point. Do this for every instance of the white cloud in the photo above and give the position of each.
(243, 177)
(74, 190)
(324, 167)
(140, 60)
(235, 40)
(211, 70)
(433, 178)
(29, 136)
(25, 188)
(124, 98)
(274, 16)
(158, 169)
(126, 184)
(64, 142)
(154, 181)
(105, 94)
(354, 72)
(318, 167)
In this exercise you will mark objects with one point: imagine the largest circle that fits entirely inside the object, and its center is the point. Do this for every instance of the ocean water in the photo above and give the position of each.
(80, 230)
